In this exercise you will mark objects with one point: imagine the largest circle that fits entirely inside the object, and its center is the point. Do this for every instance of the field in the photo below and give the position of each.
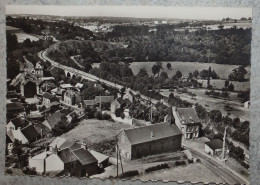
(210, 103)
(23, 36)
(96, 133)
(193, 173)
(187, 67)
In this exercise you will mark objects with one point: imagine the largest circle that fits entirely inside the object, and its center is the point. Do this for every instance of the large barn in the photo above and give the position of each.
(149, 140)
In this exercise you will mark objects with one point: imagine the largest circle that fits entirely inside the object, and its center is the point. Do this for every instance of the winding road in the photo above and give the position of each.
(230, 176)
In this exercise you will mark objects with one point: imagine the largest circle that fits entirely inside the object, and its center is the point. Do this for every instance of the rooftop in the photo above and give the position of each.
(30, 132)
(215, 144)
(187, 115)
(159, 131)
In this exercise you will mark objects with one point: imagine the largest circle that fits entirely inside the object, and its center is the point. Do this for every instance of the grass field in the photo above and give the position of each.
(98, 134)
(186, 67)
(23, 36)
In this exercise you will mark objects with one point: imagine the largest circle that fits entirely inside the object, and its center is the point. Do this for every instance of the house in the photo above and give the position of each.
(28, 88)
(66, 86)
(38, 69)
(247, 104)
(25, 135)
(149, 140)
(14, 107)
(119, 103)
(12, 95)
(65, 157)
(129, 95)
(48, 98)
(103, 160)
(187, 121)
(54, 119)
(98, 100)
(214, 147)
(15, 123)
(104, 99)
(71, 97)
(45, 85)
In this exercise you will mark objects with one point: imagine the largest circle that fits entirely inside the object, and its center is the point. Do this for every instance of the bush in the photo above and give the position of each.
(129, 173)
(118, 112)
(245, 165)
(99, 115)
(106, 116)
(122, 115)
(8, 171)
(29, 171)
(180, 163)
(158, 167)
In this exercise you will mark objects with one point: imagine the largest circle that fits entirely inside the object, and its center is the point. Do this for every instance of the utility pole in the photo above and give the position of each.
(120, 161)
(224, 143)
(117, 161)
(100, 102)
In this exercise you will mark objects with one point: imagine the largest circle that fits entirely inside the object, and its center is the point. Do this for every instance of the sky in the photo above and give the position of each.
(210, 13)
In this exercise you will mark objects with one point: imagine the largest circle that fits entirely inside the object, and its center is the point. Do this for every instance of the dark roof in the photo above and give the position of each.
(49, 96)
(18, 122)
(215, 144)
(84, 156)
(144, 134)
(56, 117)
(30, 132)
(120, 101)
(188, 115)
(75, 146)
(14, 106)
(67, 156)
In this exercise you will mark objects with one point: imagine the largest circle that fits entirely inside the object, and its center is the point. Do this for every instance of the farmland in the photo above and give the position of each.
(186, 67)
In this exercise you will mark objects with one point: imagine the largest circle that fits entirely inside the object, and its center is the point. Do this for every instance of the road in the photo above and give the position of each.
(225, 172)
(220, 169)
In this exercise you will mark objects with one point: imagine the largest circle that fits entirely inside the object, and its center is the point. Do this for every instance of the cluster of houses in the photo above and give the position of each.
(55, 102)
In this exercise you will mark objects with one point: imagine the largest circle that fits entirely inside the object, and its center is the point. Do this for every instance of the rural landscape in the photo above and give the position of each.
(128, 97)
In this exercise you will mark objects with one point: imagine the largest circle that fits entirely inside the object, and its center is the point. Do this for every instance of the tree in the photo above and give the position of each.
(142, 72)
(118, 112)
(164, 75)
(155, 70)
(196, 73)
(178, 74)
(12, 43)
(169, 66)
(231, 87)
(171, 97)
(215, 115)
(226, 83)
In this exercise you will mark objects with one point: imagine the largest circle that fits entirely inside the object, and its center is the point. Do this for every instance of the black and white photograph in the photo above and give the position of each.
(128, 92)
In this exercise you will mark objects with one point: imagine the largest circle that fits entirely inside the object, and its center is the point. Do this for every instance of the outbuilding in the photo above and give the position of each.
(149, 140)
(214, 147)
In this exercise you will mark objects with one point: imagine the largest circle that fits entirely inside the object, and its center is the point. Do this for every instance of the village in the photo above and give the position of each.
(62, 121)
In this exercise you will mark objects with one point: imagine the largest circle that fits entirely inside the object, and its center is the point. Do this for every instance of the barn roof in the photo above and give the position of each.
(215, 144)
(151, 132)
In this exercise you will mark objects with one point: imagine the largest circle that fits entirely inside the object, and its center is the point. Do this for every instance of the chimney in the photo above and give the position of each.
(84, 145)
(152, 134)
